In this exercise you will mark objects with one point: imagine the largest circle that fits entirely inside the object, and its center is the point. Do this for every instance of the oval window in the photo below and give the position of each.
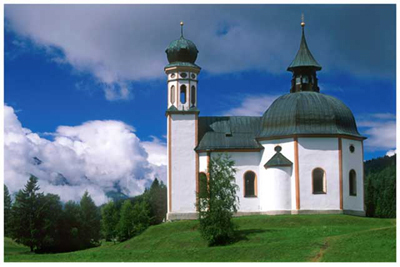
(352, 148)
(183, 75)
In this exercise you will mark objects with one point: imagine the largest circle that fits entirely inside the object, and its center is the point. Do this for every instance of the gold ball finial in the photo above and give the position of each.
(181, 23)
(302, 21)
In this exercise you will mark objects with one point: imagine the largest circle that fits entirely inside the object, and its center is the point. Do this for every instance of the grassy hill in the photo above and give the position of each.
(285, 238)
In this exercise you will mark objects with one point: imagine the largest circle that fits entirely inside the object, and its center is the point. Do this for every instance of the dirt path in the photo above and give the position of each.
(325, 246)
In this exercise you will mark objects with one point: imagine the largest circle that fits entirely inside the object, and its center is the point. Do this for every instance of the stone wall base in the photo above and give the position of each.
(175, 216)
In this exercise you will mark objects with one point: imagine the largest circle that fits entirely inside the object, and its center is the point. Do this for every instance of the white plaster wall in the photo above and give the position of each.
(319, 153)
(203, 162)
(353, 161)
(267, 176)
(276, 189)
(245, 161)
(183, 161)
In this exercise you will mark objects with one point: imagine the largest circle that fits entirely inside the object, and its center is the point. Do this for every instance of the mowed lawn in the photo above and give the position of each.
(283, 238)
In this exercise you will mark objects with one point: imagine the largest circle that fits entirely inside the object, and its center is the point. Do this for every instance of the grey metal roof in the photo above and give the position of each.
(304, 58)
(308, 113)
(228, 133)
(278, 160)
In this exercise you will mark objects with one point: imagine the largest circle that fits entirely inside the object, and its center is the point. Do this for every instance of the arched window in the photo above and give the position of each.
(193, 95)
(172, 95)
(250, 184)
(353, 183)
(318, 181)
(202, 185)
(183, 94)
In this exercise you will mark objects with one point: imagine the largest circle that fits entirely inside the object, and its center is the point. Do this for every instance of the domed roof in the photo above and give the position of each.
(308, 113)
(182, 50)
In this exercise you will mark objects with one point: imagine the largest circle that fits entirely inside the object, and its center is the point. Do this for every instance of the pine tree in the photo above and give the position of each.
(89, 221)
(109, 221)
(217, 208)
(27, 218)
(7, 211)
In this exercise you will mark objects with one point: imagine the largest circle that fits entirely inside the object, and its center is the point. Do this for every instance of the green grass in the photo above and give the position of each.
(285, 238)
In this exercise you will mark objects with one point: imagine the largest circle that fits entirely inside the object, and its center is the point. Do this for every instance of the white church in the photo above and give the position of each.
(304, 155)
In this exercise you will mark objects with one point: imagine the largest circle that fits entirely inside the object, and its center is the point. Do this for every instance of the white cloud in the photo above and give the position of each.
(380, 128)
(122, 43)
(97, 156)
(391, 153)
(252, 105)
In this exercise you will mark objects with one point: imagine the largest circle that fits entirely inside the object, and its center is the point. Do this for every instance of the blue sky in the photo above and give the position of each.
(69, 65)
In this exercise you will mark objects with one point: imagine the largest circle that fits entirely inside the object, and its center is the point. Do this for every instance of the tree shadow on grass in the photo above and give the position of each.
(243, 235)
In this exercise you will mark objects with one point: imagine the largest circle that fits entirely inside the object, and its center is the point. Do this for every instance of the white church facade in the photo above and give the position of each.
(304, 155)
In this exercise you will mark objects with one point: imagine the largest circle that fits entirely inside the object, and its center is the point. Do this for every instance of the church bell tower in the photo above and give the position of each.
(182, 125)
(304, 68)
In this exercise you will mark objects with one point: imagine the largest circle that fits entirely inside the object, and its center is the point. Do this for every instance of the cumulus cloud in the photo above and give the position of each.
(98, 156)
(252, 105)
(380, 128)
(122, 43)
(391, 153)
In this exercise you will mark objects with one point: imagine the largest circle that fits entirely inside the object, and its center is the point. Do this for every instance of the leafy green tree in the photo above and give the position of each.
(109, 221)
(125, 224)
(7, 211)
(27, 219)
(50, 209)
(70, 228)
(89, 221)
(141, 217)
(217, 208)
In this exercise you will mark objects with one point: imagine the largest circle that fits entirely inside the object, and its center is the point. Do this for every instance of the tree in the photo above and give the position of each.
(109, 221)
(7, 211)
(125, 224)
(141, 218)
(217, 208)
(70, 227)
(50, 211)
(157, 199)
(89, 221)
(27, 218)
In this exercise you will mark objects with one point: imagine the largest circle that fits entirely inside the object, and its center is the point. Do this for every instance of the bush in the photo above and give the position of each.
(219, 205)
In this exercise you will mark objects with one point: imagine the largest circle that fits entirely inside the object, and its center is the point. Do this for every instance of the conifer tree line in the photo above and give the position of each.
(380, 187)
(45, 224)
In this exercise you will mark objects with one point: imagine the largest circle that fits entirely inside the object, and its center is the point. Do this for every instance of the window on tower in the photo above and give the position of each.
(298, 80)
(183, 94)
(318, 181)
(353, 183)
(172, 95)
(193, 96)
(305, 79)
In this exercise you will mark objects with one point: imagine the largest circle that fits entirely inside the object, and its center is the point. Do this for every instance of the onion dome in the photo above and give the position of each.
(307, 113)
(182, 52)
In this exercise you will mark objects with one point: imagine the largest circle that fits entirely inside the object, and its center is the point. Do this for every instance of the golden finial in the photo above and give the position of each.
(302, 20)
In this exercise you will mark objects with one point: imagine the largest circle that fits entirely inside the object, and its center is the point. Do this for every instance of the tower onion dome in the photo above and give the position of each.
(182, 52)
(307, 113)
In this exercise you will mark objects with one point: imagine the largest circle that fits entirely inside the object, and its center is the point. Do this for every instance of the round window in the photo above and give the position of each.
(352, 148)
(183, 75)
(193, 76)
(278, 148)
(173, 75)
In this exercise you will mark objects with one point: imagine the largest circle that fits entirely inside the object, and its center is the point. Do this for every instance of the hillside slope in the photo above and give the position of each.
(285, 238)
